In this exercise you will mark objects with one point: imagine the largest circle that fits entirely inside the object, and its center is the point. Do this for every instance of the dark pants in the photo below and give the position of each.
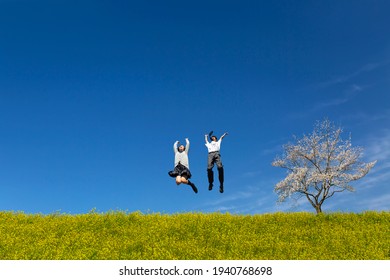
(214, 157)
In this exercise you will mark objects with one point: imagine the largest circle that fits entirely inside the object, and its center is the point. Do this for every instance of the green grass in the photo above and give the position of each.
(195, 236)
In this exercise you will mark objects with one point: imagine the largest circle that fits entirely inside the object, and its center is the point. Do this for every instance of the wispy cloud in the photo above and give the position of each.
(377, 203)
(359, 118)
(345, 78)
(276, 149)
(376, 199)
(344, 97)
(232, 198)
(378, 149)
(251, 199)
(379, 146)
(373, 192)
(326, 104)
(355, 88)
(255, 200)
(252, 174)
(347, 95)
(331, 103)
(351, 88)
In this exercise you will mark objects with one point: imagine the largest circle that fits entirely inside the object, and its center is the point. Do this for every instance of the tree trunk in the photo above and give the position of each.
(318, 208)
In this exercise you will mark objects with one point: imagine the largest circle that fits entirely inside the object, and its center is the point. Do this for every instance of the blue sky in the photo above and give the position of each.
(93, 94)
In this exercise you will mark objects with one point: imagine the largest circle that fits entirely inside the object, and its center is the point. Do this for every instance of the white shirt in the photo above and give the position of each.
(214, 146)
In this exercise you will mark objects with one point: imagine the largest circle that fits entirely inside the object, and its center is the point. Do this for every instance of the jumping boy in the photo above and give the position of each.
(214, 156)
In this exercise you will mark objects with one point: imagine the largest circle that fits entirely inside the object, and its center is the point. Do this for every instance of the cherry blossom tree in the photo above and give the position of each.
(320, 165)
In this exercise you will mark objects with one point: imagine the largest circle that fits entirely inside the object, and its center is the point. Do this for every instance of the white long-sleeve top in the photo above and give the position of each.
(182, 157)
(213, 146)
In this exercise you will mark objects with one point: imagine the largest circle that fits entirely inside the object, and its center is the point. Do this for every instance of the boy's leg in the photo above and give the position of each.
(220, 172)
(210, 173)
(221, 178)
(210, 176)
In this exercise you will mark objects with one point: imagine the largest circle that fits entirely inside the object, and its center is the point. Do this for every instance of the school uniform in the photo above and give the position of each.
(214, 157)
(182, 166)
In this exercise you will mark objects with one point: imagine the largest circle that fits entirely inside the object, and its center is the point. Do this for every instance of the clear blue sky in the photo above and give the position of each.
(93, 94)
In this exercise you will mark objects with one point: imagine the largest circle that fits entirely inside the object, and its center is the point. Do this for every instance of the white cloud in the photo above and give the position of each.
(376, 203)
(360, 118)
(251, 174)
(226, 199)
(349, 94)
(251, 199)
(355, 88)
(273, 150)
(379, 147)
(331, 103)
(345, 78)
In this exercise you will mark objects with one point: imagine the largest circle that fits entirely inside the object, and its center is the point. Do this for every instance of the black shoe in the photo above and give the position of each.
(221, 188)
(210, 186)
(194, 188)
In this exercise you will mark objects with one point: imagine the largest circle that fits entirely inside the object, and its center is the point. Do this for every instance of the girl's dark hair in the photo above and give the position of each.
(180, 146)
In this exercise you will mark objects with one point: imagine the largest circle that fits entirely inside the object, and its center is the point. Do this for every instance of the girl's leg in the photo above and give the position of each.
(178, 180)
(184, 180)
(192, 185)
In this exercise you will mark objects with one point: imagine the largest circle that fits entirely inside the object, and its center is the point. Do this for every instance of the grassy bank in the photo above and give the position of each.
(119, 235)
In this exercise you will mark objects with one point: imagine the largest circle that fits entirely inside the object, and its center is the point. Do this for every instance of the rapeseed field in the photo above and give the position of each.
(195, 236)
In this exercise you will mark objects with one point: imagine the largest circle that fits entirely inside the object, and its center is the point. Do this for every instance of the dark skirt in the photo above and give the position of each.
(180, 170)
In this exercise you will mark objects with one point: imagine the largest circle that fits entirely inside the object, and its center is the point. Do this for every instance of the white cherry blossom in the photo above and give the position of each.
(319, 165)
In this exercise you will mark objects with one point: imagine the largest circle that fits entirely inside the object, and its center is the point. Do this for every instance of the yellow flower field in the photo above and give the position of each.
(195, 236)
